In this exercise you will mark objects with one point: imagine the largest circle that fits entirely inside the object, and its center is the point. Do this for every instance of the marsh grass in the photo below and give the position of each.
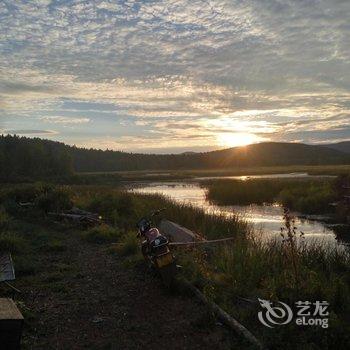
(279, 270)
(247, 267)
(289, 234)
(303, 195)
(94, 178)
(101, 234)
(129, 245)
(12, 243)
(54, 245)
(4, 219)
(250, 268)
(123, 209)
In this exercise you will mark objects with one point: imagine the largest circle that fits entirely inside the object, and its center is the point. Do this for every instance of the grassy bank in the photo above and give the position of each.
(116, 178)
(158, 175)
(304, 195)
(245, 269)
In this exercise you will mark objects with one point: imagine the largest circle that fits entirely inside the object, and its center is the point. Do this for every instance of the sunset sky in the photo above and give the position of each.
(174, 76)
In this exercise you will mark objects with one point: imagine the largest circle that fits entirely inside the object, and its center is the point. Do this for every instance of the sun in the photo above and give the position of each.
(236, 139)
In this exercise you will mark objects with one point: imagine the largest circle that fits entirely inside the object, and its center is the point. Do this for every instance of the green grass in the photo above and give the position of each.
(26, 265)
(246, 268)
(253, 269)
(159, 175)
(54, 245)
(129, 245)
(12, 243)
(123, 210)
(101, 234)
(304, 195)
(314, 197)
(4, 219)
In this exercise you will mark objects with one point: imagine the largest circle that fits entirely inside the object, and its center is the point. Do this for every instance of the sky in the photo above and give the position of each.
(171, 76)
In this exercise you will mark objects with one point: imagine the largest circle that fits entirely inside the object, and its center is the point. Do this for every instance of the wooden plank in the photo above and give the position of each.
(225, 317)
(175, 232)
(221, 240)
(9, 310)
(11, 323)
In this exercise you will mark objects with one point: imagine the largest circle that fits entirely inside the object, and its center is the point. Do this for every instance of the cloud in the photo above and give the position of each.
(264, 67)
(64, 120)
(31, 132)
(12, 88)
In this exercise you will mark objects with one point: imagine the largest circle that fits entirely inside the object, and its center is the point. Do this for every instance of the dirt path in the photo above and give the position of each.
(87, 299)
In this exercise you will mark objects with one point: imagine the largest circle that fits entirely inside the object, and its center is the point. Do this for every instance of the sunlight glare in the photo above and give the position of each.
(236, 139)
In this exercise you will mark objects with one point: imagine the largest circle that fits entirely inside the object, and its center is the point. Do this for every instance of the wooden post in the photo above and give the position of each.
(11, 324)
(225, 317)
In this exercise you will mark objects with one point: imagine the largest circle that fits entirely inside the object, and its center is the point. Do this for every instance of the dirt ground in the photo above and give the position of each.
(86, 298)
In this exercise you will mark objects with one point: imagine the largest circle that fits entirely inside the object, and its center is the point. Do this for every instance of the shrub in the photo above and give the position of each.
(313, 198)
(25, 265)
(226, 192)
(54, 199)
(4, 219)
(304, 195)
(54, 245)
(12, 243)
(129, 244)
(118, 207)
(21, 193)
(101, 234)
(45, 197)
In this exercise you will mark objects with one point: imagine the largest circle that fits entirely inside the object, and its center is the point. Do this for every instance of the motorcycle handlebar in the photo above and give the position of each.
(151, 215)
(157, 212)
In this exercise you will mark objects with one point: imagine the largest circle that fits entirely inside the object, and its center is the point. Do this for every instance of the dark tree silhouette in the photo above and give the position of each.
(22, 157)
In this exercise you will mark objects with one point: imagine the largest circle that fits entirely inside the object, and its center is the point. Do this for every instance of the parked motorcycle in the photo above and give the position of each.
(155, 249)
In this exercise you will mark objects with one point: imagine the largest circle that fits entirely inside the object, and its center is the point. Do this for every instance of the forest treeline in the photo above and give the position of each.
(23, 157)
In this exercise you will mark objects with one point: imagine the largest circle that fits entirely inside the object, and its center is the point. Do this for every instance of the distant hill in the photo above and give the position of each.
(36, 158)
(277, 153)
(262, 154)
(340, 146)
(188, 152)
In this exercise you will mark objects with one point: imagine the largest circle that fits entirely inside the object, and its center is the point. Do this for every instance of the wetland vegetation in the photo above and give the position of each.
(313, 196)
(247, 269)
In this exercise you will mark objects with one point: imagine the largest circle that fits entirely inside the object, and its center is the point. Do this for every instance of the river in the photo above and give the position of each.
(266, 220)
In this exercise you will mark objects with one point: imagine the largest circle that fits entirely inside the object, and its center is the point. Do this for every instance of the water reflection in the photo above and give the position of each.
(265, 219)
(265, 176)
